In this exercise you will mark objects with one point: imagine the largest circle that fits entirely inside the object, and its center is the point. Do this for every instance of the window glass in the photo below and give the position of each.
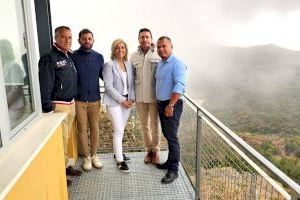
(14, 60)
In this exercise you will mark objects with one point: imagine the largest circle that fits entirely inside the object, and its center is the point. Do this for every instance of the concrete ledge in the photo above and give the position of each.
(20, 154)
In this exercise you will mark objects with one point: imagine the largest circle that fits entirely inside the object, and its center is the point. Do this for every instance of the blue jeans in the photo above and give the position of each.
(169, 127)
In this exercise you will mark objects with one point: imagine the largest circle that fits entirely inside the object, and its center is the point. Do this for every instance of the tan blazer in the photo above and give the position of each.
(144, 69)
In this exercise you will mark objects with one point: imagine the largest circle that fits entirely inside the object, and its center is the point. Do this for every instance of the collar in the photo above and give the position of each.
(152, 48)
(170, 58)
(59, 49)
(81, 50)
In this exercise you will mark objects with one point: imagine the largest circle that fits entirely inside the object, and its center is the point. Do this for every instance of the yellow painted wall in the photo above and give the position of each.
(72, 143)
(45, 178)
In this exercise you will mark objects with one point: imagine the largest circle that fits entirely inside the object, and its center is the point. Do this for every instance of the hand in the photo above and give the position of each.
(169, 111)
(126, 104)
(130, 102)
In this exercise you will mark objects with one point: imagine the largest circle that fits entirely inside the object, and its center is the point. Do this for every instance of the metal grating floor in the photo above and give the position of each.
(141, 183)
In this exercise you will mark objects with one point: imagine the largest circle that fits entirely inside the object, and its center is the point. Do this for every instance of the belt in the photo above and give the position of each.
(125, 95)
(163, 102)
(66, 102)
(166, 101)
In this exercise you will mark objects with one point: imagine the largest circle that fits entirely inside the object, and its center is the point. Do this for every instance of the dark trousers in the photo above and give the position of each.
(169, 127)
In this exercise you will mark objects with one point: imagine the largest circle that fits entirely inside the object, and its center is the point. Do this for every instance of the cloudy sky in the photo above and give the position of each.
(193, 22)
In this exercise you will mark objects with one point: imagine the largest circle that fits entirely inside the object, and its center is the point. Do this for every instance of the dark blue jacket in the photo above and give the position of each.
(89, 70)
(58, 77)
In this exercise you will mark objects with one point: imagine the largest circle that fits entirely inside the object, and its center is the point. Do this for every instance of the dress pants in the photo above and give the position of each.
(169, 127)
(119, 116)
(66, 124)
(148, 115)
(88, 113)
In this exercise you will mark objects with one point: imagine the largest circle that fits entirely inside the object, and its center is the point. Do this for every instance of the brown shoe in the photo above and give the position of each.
(155, 158)
(70, 171)
(148, 157)
(69, 182)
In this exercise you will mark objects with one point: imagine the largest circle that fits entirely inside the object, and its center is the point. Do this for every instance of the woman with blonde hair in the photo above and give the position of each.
(119, 95)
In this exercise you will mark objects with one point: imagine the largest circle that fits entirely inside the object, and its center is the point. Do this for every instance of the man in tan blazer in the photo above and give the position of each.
(145, 61)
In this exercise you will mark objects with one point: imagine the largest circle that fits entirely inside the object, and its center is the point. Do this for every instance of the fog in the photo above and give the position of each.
(242, 55)
(226, 22)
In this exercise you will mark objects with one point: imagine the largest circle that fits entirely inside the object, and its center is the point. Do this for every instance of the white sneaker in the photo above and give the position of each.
(96, 162)
(87, 163)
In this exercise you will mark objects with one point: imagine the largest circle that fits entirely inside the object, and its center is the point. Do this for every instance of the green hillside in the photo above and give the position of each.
(256, 93)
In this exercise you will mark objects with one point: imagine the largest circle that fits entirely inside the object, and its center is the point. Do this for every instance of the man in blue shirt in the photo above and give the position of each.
(170, 85)
(89, 69)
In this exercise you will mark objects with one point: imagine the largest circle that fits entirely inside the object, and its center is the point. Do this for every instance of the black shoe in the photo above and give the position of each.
(69, 182)
(123, 167)
(162, 165)
(70, 171)
(169, 177)
(125, 158)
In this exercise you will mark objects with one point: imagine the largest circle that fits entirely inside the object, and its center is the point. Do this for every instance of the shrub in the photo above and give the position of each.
(268, 149)
(297, 153)
(290, 146)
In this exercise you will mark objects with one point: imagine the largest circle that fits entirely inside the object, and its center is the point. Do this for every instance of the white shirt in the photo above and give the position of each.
(124, 77)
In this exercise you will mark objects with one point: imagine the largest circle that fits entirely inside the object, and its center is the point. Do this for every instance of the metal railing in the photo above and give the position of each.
(221, 165)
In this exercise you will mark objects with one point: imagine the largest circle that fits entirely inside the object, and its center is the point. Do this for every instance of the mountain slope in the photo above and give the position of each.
(253, 89)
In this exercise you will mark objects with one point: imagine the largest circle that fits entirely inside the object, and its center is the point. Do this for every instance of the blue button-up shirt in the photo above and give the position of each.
(170, 78)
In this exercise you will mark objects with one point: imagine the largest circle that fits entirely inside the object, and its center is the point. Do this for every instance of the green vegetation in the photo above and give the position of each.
(292, 146)
(266, 115)
(267, 149)
(297, 153)
(283, 151)
(289, 166)
(254, 91)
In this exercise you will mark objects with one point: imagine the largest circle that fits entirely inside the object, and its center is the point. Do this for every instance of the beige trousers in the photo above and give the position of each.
(88, 113)
(66, 124)
(149, 119)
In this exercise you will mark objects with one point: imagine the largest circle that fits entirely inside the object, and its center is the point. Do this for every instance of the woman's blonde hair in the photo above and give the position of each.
(114, 45)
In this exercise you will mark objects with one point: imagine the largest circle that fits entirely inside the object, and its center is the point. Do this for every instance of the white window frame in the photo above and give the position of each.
(4, 122)
(7, 135)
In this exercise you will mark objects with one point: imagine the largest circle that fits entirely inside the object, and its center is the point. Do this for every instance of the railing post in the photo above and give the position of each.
(198, 153)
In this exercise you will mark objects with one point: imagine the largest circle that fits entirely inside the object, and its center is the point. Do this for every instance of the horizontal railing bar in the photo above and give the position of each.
(191, 101)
